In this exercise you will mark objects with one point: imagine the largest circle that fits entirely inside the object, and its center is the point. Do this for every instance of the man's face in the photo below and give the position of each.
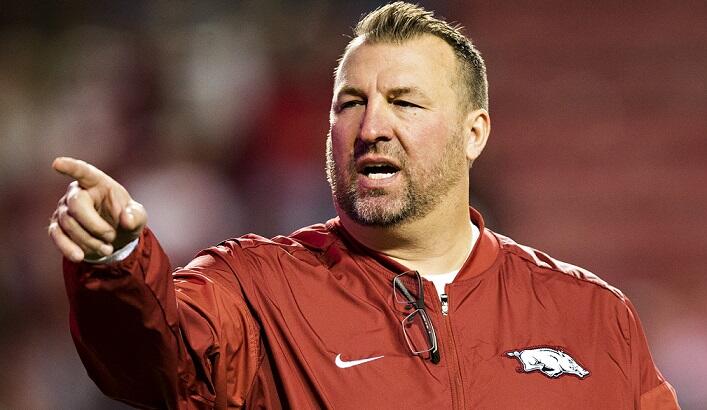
(395, 148)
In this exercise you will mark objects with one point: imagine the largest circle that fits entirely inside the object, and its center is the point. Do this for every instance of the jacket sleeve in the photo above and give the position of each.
(654, 392)
(153, 339)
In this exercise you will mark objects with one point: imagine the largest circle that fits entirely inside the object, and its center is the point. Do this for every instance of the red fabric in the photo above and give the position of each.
(259, 323)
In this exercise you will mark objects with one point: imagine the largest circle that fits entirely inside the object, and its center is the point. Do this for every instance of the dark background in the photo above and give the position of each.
(213, 114)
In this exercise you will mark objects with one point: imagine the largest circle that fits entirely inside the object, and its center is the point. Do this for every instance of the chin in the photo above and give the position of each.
(379, 211)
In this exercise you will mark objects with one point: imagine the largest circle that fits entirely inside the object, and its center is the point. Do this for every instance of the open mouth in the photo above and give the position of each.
(379, 171)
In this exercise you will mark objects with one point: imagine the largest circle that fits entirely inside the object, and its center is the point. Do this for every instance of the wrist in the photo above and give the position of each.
(116, 256)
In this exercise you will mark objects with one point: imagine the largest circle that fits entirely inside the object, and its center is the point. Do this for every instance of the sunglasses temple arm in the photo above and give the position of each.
(434, 356)
(434, 353)
(405, 292)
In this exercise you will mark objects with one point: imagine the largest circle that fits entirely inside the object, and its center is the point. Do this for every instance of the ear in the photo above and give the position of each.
(477, 125)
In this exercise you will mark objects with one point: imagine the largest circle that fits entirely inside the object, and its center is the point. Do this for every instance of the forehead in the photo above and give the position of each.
(427, 62)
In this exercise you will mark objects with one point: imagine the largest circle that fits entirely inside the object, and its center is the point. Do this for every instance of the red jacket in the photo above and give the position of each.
(284, 322)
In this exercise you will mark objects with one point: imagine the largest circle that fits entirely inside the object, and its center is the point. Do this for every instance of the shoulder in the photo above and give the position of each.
(540, 266)
(253, 261)
(307, 242)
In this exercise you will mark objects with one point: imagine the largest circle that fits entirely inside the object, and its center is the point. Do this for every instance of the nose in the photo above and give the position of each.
(376, 123)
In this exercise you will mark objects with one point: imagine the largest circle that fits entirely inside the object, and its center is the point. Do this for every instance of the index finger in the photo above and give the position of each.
(86, 174)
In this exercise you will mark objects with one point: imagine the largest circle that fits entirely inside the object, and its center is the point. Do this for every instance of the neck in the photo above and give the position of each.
(439, 242)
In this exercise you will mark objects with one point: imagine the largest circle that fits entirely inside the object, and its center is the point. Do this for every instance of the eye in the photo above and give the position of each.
(404, 103)
(349, 104)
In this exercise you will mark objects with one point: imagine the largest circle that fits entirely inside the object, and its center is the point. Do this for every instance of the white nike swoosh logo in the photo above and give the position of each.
(341, 364)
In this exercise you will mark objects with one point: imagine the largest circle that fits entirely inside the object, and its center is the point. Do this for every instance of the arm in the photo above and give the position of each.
(147, 337)
(157, 340)
(123, 322)
(655, 393)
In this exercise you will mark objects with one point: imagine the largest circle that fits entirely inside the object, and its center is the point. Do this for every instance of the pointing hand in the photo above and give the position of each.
(96, 215)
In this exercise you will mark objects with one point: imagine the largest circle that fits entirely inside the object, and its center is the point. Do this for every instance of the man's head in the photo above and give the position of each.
(406, 119)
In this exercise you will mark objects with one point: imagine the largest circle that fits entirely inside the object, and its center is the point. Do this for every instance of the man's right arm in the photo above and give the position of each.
(123, 320)
(147, 337)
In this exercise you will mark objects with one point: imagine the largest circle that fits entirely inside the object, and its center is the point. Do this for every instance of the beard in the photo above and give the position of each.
(423, 188)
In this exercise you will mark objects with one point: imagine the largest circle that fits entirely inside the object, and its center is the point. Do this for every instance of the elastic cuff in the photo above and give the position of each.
(116, 256)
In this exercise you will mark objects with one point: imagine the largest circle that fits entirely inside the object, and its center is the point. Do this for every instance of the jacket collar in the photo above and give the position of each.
(481, 258)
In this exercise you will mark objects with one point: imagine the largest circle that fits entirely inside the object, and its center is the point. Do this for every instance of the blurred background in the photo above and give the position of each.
(214, 113)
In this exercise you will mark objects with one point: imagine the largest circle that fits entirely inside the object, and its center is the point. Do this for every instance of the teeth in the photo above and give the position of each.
(380, 176)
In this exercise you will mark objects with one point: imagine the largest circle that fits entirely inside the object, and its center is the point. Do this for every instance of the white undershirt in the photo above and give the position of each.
(441, 279)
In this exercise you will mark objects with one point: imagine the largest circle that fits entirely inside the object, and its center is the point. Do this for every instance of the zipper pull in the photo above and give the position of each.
(445, 304)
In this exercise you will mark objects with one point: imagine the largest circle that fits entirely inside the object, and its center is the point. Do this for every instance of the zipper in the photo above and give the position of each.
(454, 368)
(450, 353)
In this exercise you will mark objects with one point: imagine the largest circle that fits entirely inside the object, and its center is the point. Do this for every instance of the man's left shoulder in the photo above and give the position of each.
(542, 266)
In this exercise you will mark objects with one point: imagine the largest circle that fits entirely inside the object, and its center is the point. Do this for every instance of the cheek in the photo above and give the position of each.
(343, 134)
(427, 139)
(338, 150)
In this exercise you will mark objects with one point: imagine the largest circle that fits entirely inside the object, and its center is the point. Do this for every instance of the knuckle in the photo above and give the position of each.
(57, 213)
(137, 207)
(51, 229)
(57, 235)
(77, 200)
(72, 198)
(65, 220)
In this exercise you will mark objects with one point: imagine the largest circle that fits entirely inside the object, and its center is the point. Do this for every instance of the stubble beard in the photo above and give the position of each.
(422, 190)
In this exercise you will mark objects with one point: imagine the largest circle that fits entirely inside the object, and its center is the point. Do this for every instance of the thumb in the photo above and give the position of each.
(133, 218)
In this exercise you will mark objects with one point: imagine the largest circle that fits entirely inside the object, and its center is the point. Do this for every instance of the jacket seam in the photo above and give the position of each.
(535, 268)
(261, 358)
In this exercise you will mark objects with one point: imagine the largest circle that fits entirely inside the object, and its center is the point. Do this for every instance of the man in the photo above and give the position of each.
(336, 315)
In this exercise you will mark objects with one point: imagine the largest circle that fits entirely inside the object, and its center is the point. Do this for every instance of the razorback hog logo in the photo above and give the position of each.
(551, 362)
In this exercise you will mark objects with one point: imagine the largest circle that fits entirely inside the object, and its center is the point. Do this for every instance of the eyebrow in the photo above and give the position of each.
(400, 91)
(353, 91)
